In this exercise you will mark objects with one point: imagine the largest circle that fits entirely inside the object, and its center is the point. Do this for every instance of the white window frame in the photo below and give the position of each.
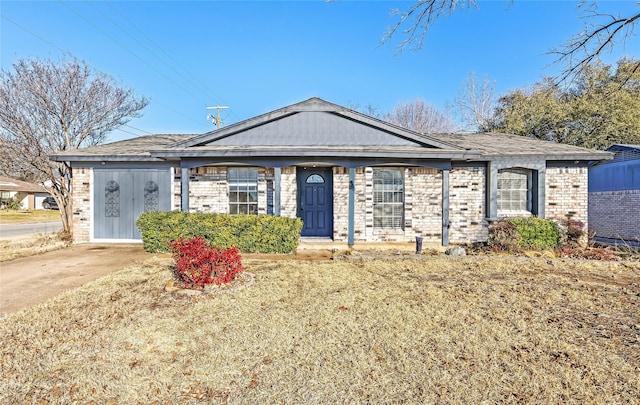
(388, 198)
(243, 190)
(514, 195)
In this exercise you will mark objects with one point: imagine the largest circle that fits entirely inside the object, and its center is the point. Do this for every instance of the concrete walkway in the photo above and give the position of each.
(31, 280)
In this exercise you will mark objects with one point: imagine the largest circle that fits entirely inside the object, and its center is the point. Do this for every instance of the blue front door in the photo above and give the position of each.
(315, 200)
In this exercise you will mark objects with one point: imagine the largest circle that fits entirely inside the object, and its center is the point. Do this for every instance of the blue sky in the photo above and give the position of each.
(262, 55)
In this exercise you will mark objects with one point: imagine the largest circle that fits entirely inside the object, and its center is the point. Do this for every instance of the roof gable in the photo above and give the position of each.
(314, 122)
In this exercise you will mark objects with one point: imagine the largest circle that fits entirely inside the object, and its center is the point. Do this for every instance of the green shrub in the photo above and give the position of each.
(14, 204)
(511, 235)
(536, 232)
(249, 233)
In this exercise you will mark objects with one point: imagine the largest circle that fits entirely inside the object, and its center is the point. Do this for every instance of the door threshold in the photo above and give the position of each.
(315, 239)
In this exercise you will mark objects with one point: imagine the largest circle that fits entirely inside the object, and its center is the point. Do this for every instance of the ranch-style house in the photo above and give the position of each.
(350, 177)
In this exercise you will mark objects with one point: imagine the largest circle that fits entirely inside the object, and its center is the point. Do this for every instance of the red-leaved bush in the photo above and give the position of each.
(198, 263)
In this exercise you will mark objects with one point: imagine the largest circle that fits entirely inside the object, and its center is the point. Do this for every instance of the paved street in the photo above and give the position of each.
(16, 230)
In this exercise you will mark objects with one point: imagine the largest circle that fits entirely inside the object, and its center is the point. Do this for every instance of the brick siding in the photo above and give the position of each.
(466, 205)
(615, 214)
(288, 192)
(81, 204)
(567, 193)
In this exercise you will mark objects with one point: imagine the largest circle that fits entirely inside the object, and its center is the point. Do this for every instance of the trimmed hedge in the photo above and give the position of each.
(536, 232)
(512, 234)
(249, 233)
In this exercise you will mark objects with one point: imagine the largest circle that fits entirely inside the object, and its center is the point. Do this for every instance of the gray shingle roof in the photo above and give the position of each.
(129, 149)
(366, 137)
(490, 145)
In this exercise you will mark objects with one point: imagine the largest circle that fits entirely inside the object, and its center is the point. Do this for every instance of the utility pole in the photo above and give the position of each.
(216, 119)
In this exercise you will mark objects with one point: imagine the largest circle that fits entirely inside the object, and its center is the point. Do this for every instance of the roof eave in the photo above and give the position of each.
(106, 158)
(319, 153)
(587, 157)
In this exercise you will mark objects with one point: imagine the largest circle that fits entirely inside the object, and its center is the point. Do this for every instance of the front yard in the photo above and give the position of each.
(437, 329)
(28, 216)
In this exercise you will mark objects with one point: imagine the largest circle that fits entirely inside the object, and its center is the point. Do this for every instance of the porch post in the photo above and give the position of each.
(492, 191)
(352, 206)
(277, 173)
(445, 207)
(541, 192)
(184, 189)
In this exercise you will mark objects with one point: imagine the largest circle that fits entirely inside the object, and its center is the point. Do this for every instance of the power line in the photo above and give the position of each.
(128, 50)
(144, 47)
(124, 47)
(63, 51)
(128, 132)
(138, 129)
(168, 55)
(33, 33)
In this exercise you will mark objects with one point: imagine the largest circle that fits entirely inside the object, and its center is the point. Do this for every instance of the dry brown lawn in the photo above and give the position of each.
(28, 216)
(29, 245)
(435, 330)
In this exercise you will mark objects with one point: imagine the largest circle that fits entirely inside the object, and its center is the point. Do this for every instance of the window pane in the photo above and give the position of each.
(243, 191)
(513, 190)
(388, 199)
(314, 178)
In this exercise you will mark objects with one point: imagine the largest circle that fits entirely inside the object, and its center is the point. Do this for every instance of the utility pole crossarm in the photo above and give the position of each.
(217, 117)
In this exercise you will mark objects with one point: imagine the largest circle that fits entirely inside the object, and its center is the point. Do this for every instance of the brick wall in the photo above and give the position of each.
(341, 205)
(177, 188)
(423, 212)
(615, 214)
(288, 192)
(566, 193)
(209, 189)
(466, 205)
(81, 204)
(424, 203)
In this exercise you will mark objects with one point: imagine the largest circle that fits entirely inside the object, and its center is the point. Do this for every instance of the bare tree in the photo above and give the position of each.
(601, 32)
(48, 107)
(368, 109)
(475, 104)
(420, 116)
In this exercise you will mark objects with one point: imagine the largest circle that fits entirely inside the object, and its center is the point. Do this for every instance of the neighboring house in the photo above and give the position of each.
(614, 195)
(350, 177)
(30, 195)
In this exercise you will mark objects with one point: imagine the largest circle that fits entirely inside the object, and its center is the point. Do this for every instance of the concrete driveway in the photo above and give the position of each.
(31, 280)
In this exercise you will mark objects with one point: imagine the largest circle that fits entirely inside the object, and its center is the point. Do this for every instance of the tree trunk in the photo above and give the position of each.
(66, 214)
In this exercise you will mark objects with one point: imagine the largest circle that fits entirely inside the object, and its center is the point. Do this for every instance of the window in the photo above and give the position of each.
(514, 190)
(112, 199)
(315, 179)
(388, 199)
(151, 196)
(243, 191)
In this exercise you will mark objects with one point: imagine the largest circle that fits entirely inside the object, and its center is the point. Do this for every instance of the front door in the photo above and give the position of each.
(121, 196)
(315, 200)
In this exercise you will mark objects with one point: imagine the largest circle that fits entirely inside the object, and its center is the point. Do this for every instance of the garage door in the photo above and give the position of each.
(121, 196)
